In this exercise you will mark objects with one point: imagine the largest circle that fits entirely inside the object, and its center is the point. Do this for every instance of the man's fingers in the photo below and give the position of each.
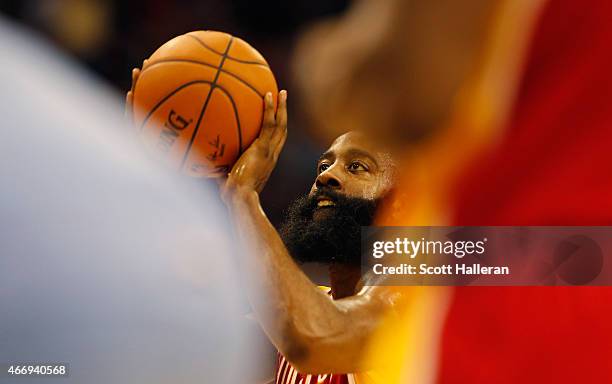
(129, 100)
(281, 113)
(135, 75)
(280, 133)
(268, 119)
(129, 97)
(278, 146)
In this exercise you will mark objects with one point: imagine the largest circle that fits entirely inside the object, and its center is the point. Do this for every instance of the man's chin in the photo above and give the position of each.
(316, 231)
(320, 214)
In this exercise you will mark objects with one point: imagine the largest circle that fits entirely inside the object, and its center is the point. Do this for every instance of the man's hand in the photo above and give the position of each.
(253, 168)
(129, 97)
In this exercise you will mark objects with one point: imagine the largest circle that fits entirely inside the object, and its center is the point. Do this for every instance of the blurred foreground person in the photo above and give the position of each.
(506, 124)
(108, 264)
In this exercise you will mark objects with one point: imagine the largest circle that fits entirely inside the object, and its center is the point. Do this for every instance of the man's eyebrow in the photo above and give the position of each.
(351, 152)
(326, 156)
(355, 152)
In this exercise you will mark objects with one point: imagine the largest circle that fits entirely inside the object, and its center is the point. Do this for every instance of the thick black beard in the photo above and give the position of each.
(335, 238)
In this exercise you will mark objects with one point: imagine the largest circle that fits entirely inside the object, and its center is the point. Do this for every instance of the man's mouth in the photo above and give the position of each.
(325, 202)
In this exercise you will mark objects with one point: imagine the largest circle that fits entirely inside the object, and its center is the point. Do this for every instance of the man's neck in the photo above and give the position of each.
(344, 279)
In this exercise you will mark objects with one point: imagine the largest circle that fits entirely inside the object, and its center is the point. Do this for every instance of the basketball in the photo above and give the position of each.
(198, 102)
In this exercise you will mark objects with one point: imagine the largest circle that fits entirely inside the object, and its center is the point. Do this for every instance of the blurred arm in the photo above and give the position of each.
(390, 66)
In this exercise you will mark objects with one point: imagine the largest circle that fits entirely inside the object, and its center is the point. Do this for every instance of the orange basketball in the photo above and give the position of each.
(198, 102)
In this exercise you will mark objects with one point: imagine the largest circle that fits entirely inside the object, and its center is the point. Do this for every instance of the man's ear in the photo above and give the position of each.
(391, 206)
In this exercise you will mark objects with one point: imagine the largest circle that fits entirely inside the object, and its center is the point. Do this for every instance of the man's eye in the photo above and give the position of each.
(355, 166)
(323, 167)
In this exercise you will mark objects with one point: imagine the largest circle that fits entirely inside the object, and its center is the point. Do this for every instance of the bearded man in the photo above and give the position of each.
(321, 333)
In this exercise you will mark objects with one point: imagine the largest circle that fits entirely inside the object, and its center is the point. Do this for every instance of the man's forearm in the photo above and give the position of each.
(283, 297)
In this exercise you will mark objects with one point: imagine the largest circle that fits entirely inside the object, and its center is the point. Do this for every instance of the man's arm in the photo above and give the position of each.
(315, 333)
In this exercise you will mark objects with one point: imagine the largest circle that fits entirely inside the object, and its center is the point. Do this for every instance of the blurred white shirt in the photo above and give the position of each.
(107, 263)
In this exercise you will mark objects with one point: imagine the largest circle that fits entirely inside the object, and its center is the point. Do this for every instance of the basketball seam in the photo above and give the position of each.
(221, 88)
(237, 119)
(212, 88)
(149, 65)
(203, 44)
(165, 98)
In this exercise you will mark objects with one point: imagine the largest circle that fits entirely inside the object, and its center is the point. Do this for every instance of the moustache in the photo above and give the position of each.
(343, 204)
(327, 193)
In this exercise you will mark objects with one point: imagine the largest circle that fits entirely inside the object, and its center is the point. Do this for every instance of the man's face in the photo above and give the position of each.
(354, 167)
(325, 226)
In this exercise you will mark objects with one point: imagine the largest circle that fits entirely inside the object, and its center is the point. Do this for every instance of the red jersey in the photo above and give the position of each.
(286, 374)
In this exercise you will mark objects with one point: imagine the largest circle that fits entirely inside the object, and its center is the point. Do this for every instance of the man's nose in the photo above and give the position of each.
(328, 179)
